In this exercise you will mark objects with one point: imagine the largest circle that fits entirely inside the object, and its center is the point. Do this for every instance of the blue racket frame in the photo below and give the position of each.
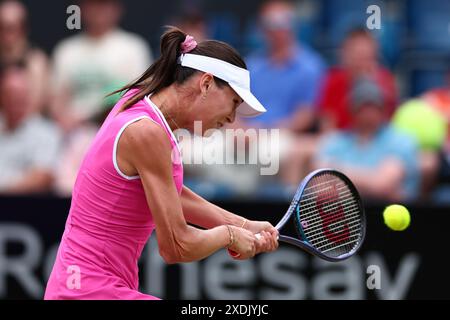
(295, 209)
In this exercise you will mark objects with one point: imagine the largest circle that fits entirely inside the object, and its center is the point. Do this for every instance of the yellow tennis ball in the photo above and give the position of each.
(396, 217)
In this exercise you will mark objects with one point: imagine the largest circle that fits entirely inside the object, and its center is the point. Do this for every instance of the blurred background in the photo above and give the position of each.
(361, 86)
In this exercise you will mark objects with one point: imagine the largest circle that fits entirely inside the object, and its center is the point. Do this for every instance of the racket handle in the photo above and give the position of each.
(234, 254)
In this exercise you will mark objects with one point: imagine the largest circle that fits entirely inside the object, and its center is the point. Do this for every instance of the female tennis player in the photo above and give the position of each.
(131, 180)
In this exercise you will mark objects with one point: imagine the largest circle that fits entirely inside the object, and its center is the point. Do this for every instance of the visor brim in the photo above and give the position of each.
(251, 107)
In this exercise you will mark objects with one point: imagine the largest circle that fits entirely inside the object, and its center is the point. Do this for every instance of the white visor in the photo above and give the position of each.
(237, 78)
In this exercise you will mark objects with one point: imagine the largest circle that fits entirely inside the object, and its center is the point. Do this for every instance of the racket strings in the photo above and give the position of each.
(310, 195)
(332, 205)
(330, 216)
(327, 182)
(346, 235)
(312, 204)
(336, 235)
(342, 245)
(336, 238)
(317, 228)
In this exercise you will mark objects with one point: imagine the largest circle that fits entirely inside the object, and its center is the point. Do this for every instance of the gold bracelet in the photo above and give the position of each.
(230, 231)
(243, 224)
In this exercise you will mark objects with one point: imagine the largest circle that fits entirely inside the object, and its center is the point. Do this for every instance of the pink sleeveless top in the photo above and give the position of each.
(109, 220)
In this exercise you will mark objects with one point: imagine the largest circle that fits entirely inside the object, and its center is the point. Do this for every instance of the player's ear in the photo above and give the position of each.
(206, 81)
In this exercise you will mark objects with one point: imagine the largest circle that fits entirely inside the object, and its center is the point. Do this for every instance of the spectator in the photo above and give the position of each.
(358, 57)
(93, 63)
(438, 166)
(29, 143)
(439, 99)
(286, 76)
(429, 128)
(381, 161)
(15, 48)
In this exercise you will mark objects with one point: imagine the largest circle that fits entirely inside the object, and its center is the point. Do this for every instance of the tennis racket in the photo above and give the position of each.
(328, 215)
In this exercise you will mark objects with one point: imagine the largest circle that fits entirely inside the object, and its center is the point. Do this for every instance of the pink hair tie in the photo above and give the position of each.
(188, 44)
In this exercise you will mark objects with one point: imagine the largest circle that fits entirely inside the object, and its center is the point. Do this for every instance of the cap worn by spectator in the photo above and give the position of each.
(366, 91)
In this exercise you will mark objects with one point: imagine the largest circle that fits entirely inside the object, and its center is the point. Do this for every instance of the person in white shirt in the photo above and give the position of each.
(96, 61)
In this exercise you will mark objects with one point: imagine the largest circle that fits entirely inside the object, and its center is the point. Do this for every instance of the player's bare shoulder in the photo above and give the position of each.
(145, 143)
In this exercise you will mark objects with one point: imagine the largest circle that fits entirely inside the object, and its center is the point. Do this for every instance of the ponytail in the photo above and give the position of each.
(161, 73)
(165, 70)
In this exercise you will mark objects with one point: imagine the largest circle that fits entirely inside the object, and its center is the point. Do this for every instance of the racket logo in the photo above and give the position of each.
(335, 213)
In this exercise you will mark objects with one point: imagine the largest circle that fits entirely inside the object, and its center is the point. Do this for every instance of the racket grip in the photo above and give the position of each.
(234, 254)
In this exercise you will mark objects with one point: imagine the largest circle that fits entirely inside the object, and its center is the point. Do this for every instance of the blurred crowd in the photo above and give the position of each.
(345, 112)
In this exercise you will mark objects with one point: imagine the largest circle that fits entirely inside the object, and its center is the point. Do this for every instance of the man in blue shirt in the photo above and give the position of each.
(286, 76)
(381, 161)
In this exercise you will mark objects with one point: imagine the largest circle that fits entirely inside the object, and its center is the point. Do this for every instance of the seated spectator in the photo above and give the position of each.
(15, 48)
(286, 78)
(381, 161)
(95, 62)
(439, 99)
(29, 143)
(358, 57)
(429, 128)
(432, 129)
(286, 75)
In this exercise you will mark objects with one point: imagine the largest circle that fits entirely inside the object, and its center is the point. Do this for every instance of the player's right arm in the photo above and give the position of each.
(145, 149)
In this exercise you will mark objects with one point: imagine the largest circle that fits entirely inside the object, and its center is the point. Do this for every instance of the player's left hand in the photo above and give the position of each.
(268, 240)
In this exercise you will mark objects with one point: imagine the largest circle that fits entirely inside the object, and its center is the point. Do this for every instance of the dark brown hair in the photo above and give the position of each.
(165, 70)
(358, 32)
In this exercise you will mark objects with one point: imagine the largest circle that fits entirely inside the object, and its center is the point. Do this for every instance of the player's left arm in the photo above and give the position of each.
(203, 213)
